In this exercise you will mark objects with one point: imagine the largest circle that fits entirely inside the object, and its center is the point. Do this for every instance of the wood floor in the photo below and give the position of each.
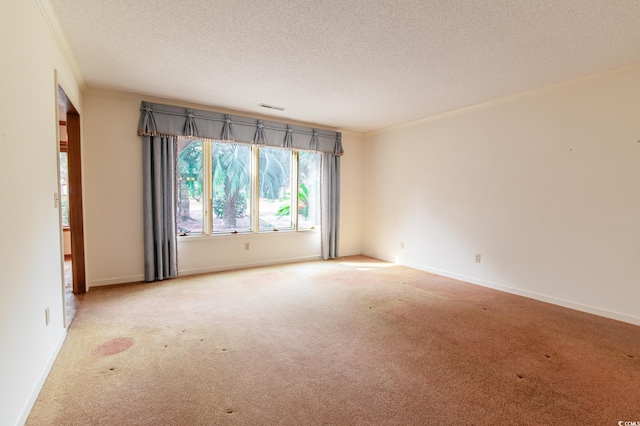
(71, 301)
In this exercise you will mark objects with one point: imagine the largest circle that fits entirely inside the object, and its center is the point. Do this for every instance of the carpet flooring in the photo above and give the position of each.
(352, 341)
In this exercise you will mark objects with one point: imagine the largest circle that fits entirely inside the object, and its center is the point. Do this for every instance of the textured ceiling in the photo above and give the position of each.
(355, 65)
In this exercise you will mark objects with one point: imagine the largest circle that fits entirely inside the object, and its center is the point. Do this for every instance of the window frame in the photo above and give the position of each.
(207, 170)
(293, 178)
(208, 189)
(316, 196)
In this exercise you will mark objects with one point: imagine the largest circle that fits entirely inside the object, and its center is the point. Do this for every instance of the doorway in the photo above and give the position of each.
(70, 199)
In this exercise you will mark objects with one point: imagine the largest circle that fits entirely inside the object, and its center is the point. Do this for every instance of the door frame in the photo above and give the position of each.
(74, 161)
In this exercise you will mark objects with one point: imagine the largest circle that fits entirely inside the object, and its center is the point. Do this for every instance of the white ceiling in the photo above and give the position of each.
(356, 65)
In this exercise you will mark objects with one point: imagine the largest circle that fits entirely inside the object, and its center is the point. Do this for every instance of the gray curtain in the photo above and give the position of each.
(158, 165)
(288, 138)
(314, 144)
(160, 119)
(260, 138)
(227, 130)
(330, 205)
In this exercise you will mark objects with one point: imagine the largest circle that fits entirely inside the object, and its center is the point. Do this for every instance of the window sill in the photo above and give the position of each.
(229, 235)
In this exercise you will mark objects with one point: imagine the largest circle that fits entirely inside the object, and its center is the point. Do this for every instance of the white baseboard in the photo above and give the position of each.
(28, 405)
(194, 271)
(351, 253)
(530, 294)
(205, 270)
(116, 280)
(379, 257)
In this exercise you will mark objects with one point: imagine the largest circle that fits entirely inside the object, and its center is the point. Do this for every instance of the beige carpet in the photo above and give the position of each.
(346, 342)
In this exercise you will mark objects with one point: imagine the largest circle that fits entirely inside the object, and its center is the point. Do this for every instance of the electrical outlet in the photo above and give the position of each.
(246, 246)
(478, 257)
(46, 316)
(402, 244)
(55, 200)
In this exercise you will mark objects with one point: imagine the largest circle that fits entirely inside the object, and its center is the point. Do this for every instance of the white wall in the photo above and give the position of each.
(545, 188)
(113, 204)
(30, 247)
(351, 194)
(113, 190)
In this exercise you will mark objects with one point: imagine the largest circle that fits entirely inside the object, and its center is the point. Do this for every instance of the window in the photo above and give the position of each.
(275, 182)
(308, 190)
(64, 188)
(249, 188)
(189, 189)
(231, 177)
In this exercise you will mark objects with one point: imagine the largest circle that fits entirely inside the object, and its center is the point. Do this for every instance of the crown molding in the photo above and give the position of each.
(51, 18)
(352, 133)
(507, 99)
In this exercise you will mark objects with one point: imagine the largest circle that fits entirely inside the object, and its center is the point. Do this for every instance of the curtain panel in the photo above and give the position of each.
(330, 205)
(158, 168)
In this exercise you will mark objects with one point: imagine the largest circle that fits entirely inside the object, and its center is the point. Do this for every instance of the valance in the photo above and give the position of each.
(168, 120)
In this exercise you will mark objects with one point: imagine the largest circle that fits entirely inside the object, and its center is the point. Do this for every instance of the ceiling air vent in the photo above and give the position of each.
(277, 108)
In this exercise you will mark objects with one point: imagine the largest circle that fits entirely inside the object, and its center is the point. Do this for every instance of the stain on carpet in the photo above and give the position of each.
(113, 346)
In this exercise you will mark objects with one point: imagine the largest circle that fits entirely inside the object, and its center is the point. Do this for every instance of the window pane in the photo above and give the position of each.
(308, 190)
(64, 189)
(275, 189)
(231, 176)
(190, 194)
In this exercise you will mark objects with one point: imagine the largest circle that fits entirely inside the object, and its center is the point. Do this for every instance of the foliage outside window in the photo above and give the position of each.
(241, 180)
(64, 188)
(308, 190)
(275, 183)
(231, 187)
(190, 191)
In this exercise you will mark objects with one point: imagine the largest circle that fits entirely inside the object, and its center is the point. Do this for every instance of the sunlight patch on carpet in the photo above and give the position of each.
(367, 266)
